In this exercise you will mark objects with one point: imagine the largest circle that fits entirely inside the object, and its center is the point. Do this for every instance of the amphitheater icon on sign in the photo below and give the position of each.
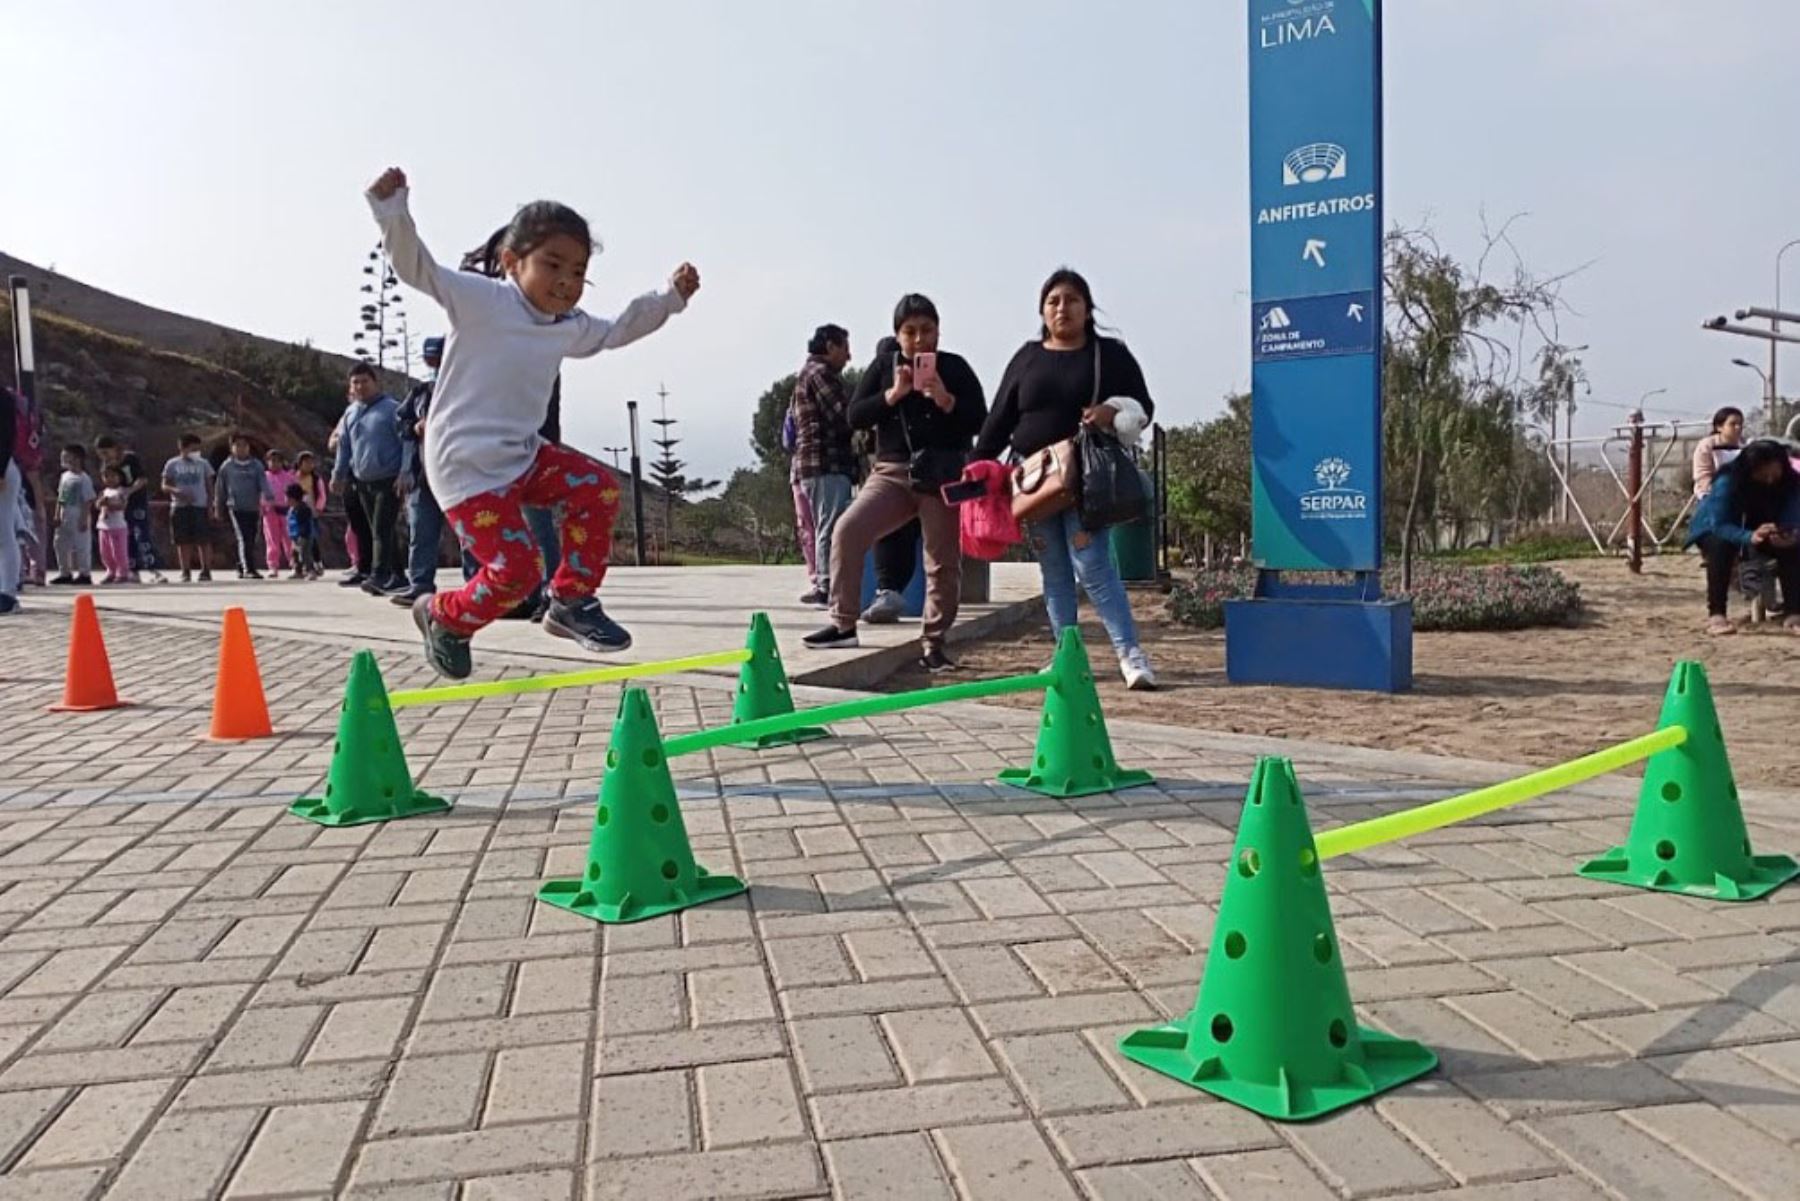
(1315, 163)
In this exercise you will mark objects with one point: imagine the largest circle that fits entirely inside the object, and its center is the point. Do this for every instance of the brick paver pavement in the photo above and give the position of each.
(919, 997)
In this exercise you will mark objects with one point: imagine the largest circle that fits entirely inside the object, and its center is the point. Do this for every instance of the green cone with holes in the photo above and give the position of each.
(1688, 832)
(639, 862)
(1074, 754)
(1272, 1029)
(763, 691)
(369, 780)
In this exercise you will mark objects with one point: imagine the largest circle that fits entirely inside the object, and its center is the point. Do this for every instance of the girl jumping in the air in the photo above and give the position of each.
(484, 457)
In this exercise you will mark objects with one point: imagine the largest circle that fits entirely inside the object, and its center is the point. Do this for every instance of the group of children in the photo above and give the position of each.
(259, 494)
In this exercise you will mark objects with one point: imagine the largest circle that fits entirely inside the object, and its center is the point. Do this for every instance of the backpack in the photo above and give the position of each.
(28, 432)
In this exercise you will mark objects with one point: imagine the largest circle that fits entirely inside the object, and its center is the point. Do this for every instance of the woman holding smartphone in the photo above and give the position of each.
(925, 406)
(1050, 390)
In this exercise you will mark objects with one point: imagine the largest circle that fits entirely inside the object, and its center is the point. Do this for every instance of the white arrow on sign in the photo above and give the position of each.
(1315, 250)
(1355, 312)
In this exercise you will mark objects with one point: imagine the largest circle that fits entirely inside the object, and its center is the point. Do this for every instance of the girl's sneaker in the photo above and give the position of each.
(447, 653)
(9, 604)
(586, 624)
(1134, 665)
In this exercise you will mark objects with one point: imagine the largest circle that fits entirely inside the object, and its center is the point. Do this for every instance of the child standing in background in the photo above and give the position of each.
(115, 533)
(74, 520)
(303, 533)
(243, 487)
(277, 549)
(187, 481)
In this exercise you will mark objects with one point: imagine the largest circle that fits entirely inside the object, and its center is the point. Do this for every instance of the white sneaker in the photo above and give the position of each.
(1134, 665)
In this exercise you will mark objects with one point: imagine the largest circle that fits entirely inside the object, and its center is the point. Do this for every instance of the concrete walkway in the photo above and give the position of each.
(919, 997)
(672, 612)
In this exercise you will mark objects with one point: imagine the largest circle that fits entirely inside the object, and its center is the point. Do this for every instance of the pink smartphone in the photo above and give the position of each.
(924, 369)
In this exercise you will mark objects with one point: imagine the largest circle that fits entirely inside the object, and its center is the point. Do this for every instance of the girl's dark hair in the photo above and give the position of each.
(112, 469)
(1726, 414)
(1074, 278)
(1761, 453)
(825, 337)
(296, 492)
(76, 449)
(531, 227)
(911, 305)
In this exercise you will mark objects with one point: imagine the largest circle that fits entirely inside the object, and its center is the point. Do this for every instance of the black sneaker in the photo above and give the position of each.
(84, 580)
(447, 653)
(64, 578)
(410, 593)
(816, 598)
(253, 574)
(206, 575)
(353, 579)
(832, 639)
(586, 623)
(935, 661)
(187, 576)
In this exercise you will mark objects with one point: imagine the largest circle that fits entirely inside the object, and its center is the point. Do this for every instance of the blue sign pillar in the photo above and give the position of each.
(1315, 336)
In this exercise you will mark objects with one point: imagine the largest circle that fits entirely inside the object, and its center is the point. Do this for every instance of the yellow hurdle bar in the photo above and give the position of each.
(1346, 840)
(567, 679)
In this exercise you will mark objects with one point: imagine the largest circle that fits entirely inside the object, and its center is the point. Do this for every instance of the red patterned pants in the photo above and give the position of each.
(492, 528)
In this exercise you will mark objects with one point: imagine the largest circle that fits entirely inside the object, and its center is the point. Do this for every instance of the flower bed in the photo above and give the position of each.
(1444, 597)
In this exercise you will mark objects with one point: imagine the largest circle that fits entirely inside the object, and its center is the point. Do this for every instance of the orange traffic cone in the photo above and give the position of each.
(88, 684)
(239, 710)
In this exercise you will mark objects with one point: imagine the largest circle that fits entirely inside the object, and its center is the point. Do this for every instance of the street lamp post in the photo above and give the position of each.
(1768, 382)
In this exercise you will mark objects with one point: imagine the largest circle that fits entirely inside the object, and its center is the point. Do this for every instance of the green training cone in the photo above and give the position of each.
(763, 691)
(1688, 833)
(1074, 755)
(369, 780)
(1272, 1029)
(639, 862)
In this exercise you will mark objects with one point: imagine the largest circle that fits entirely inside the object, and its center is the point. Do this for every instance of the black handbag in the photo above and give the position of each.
(1112, 487)
(932, 467)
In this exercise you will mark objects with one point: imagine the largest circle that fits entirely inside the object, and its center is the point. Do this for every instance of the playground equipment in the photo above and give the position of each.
(1271, 1028)
(639, 861)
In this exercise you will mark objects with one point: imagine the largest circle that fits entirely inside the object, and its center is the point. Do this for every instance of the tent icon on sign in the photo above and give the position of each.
(1314, 164)
(1275, 318)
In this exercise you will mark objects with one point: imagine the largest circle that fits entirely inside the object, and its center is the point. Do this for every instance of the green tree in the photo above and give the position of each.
(1209, 478)
(761, 504)
(1453, 384)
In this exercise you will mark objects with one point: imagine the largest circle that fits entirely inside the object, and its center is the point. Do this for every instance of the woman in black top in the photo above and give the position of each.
(922, 438)
(1048, 392)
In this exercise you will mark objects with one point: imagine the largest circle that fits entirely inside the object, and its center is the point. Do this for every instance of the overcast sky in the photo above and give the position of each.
(818, 159)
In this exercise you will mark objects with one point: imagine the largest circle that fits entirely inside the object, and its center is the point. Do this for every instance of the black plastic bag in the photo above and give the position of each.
(1112, 487)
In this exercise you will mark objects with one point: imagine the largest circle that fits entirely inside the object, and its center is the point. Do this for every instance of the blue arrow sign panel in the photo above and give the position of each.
(1315, 282)
(1312, 326)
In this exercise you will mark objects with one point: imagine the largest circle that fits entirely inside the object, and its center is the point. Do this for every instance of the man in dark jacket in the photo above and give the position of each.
(423, 516)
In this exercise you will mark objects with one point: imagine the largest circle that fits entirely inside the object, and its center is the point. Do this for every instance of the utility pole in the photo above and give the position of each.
(1634, 544)
(637, 484)
(668, 468)
(1775, 328)
(615, 452)
(1568, 448)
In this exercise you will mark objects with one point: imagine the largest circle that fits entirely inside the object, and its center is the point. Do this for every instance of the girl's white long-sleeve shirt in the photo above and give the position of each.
(501, 358)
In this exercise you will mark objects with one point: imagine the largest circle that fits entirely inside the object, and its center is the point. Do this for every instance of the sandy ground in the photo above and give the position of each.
(1534, 697)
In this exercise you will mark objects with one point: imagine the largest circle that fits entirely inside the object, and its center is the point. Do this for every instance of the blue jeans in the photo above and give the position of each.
(829, 496)
(1068, 554)
(427, 521)
(543, 532)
